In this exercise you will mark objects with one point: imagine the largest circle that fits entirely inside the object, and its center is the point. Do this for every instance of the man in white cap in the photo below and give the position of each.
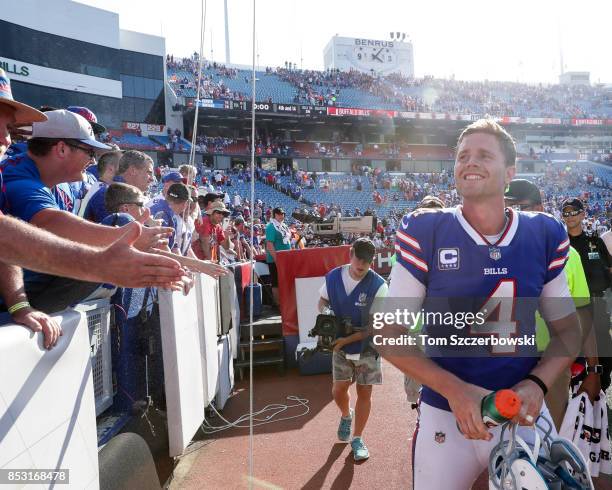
(59, 151)
(27, 246)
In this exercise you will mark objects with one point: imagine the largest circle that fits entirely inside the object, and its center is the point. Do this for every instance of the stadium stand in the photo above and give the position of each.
(393, 92)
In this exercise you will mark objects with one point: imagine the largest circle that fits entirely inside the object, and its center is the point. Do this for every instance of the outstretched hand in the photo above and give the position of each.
(128, 267)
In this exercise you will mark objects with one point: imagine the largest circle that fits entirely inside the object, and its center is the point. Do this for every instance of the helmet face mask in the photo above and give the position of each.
(549, 463)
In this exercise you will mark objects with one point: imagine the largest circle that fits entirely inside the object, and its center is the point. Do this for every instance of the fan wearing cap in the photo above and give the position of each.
(81, 187)
(58, 152)
(597, 264)
(211, 232)
(167, 180)
(32, 247)
(349, 290)
(524, 195)
(204, 226)
(13, 113)
(172, 211)
(278, 238)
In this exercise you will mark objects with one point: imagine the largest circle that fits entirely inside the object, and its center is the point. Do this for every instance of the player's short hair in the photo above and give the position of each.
(108, 159)
(489, 126)
(431, 202)
(133, 158)
(119, 193)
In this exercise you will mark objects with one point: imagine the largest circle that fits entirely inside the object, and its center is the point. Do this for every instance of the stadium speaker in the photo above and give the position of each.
(126, 462)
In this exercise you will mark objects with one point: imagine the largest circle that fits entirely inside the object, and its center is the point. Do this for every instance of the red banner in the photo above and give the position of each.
(591, 122)
(314, 262)
(309, 262)
(351, 111)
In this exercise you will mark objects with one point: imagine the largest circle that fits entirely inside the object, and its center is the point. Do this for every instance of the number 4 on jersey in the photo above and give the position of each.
(498, 312)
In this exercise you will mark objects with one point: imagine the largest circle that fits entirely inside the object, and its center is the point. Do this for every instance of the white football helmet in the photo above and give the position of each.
(555, 464)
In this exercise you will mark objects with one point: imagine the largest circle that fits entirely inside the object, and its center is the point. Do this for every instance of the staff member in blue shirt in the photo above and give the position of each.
(349, 290)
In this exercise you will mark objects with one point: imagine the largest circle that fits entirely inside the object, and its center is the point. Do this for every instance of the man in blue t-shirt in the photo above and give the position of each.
(349, 292)
(59, 151)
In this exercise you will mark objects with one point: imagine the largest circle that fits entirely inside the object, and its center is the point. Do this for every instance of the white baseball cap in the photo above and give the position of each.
(63, 124)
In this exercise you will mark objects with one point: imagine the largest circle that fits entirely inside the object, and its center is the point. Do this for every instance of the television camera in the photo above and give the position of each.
(333, 229)
(327, 329)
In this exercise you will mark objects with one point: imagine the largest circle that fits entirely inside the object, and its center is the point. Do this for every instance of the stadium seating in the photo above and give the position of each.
(396, 93)
(183, 144)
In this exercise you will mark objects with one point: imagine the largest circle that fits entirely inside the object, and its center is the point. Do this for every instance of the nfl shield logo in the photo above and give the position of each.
(495, 253)
(440, 437)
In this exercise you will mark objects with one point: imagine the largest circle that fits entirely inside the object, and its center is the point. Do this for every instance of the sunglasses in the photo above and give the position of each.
(522, 207)
(89, 151)
(567, 214)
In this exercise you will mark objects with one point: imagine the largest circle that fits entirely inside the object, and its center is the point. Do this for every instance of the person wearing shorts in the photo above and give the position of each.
(349, 291)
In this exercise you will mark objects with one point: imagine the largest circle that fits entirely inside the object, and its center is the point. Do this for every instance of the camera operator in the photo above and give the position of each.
(350, 290)
(596, 262)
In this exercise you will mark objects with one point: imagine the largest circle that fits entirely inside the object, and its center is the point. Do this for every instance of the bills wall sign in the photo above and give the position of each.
(448, 259)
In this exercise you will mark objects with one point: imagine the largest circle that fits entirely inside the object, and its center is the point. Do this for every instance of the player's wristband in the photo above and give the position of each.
(18, 306)
(538, 381)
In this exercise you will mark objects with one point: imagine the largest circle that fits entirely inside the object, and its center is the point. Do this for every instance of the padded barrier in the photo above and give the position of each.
(196, 365)
(225, 382)
(307, 289)
(47, 407)
(126, 462)
(208, 320)
(182, 367)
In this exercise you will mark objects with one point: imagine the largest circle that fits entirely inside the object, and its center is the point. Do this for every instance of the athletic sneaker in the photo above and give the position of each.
(344, 429)
(360, 451)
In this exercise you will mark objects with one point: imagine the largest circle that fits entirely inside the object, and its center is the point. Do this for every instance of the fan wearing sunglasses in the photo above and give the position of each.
(524, 195)
(597, 264)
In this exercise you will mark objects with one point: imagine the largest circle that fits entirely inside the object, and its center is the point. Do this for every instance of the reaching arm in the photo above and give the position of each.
(27, 246)
(76, 229)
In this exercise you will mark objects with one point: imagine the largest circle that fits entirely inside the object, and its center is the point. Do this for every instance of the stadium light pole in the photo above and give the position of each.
(227, 41)
(252, 275)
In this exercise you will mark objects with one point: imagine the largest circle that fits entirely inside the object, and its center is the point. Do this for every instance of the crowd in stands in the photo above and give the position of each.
(427, 94)
(80, 189)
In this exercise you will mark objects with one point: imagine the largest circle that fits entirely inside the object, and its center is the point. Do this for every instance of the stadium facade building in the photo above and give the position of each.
(74, 54)
(370, 56)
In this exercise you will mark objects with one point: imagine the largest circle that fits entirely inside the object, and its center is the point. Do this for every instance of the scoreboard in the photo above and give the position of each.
(369, 55)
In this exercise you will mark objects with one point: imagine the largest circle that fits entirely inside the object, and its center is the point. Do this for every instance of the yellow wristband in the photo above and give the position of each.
(18, 306)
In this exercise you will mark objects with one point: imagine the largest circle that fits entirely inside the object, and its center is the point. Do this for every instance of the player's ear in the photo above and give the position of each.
(510, 173)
